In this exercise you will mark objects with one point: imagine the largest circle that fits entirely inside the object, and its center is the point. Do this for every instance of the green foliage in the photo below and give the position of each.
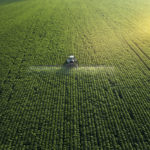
(85, 108)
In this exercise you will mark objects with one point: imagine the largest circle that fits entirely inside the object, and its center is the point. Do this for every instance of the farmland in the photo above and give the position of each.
(104, 107)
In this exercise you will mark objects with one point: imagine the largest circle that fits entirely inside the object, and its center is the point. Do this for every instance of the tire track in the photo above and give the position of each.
(122, 39)
(133, 25)
(141, 50)
(17, 74)
(137, 54)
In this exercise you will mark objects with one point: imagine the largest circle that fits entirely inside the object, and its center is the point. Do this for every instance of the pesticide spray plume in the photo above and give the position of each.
(69, 70)
(71, 66)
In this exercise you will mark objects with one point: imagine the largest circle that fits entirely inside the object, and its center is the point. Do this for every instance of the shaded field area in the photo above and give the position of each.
(102, 104)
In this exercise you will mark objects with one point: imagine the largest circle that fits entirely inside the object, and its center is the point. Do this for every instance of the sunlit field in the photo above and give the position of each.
(104, 103)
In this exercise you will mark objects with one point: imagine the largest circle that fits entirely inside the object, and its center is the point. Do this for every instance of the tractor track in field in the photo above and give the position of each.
(141, 50)
(122, 39)
(23, 55)
(137, 54)
(6, 80)
(17, 74)
(133, 40)
(16, 77)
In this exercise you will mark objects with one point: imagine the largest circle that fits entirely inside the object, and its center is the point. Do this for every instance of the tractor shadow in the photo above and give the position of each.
(66, 69)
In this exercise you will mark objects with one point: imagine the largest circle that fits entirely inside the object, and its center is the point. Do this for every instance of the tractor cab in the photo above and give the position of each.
(71, 60)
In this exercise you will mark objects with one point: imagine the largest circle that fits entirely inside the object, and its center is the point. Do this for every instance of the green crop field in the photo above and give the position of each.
(103, 104)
